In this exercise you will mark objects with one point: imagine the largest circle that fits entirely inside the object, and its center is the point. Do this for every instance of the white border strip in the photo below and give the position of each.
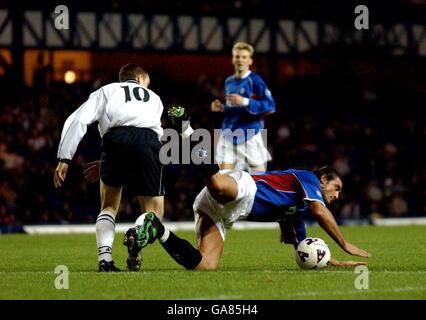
(420, 221)
(123, 227)
(190, 226)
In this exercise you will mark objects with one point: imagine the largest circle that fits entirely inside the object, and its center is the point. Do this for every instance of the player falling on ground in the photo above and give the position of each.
(129, 122)
(275, 196)
(248, 100)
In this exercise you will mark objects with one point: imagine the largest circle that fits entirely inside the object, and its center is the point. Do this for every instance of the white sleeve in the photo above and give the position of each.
(75, 126)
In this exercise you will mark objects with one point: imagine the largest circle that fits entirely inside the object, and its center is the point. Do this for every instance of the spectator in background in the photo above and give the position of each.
(398, 206)
(351, 210)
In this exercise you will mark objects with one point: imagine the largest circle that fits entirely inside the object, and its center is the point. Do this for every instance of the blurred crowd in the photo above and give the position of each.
(373, 134)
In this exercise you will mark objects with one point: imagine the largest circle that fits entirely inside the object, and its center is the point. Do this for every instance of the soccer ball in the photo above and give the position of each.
(312, 253)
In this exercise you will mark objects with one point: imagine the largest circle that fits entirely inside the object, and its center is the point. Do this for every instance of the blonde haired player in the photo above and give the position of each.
(248, 100)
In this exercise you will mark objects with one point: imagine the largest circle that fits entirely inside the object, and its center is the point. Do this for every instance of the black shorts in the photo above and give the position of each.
(130, 156)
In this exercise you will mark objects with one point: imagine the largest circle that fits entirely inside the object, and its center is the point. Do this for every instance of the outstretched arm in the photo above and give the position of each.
(328, 223)
(334, 263)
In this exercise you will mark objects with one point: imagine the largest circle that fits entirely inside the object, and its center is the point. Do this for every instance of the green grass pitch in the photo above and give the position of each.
(254, 266)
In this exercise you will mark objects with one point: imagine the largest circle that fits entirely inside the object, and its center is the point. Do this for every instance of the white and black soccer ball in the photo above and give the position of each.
(312, 253)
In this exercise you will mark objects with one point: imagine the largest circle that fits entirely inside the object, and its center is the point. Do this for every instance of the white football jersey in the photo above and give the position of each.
(113, 105)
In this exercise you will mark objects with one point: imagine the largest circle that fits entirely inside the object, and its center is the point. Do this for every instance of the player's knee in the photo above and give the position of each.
(215, 186)
(216, 192)
(208, 264)
(221, 188)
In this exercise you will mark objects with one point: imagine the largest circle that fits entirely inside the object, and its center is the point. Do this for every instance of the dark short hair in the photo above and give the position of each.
(328, 172)
(130, 71)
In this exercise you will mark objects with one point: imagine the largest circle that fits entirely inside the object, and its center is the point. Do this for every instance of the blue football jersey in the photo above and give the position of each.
(261, 103)
(283, 194)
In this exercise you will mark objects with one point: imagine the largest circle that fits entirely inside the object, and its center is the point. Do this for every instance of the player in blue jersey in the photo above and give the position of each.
(248, 100)
(283, 196)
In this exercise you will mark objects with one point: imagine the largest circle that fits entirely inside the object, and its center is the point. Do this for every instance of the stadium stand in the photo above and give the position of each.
(360, 111)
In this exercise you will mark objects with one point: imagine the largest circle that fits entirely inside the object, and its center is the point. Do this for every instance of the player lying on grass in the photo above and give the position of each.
(276, 196)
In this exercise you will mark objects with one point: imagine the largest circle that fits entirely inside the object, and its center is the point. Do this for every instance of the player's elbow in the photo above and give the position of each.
(267, 109)
(214, 184)
(216, 187)
(318, 214)
(271, 107)
(220, 195)
(318, 211)
(216, 191)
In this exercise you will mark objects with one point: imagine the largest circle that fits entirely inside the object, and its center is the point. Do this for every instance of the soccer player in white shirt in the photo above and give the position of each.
(129, 122)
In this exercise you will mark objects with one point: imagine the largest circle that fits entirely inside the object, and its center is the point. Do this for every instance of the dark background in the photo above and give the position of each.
(358, 107)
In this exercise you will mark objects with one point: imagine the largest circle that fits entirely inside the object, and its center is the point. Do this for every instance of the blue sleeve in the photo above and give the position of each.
(264, 103)
(311, 186)
(227, 86)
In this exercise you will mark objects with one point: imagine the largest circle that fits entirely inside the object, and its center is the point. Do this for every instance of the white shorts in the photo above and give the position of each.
(225, 215)
(253, 151)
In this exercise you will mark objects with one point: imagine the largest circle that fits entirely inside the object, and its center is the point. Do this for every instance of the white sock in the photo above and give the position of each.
(165, 236)
(139, 222)
(105, 232)
(188, 131)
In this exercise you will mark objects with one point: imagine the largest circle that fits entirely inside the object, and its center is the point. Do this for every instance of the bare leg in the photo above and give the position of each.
(105, 225)
(110, 198)
(210, 243)
(154, 204)
(147, 203)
